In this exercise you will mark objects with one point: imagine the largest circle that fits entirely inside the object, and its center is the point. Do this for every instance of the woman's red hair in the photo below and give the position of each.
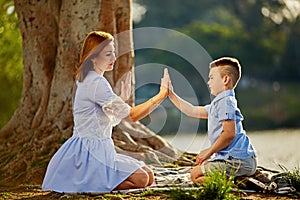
(93, 44)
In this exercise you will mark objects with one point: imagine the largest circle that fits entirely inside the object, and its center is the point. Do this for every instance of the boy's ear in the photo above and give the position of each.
(226, 79)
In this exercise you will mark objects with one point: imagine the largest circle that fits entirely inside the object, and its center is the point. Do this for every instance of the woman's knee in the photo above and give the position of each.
(150, 175)
(141, 178)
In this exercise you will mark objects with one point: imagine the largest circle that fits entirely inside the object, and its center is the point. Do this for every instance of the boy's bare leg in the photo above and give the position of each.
(197, 175)
(201, 179)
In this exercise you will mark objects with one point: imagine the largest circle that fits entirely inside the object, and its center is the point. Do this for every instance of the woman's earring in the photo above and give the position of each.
(94, 64)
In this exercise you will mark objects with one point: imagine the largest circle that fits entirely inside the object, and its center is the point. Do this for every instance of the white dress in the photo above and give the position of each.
(88, 162)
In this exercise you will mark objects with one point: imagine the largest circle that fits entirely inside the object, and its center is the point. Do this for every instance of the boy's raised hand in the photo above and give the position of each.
(171, 89)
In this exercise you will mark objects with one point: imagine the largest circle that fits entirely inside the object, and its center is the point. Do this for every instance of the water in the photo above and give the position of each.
(272, 147)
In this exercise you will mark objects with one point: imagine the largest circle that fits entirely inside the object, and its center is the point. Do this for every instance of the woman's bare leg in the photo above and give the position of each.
(150, 174)
(139, 179)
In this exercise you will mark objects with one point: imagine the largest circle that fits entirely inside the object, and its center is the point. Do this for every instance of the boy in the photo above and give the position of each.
(230, 148)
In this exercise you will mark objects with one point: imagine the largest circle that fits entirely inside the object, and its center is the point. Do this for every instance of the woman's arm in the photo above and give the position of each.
(185, 107)
(140, 111)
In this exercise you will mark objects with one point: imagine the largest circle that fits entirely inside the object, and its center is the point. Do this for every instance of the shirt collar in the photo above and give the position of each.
(223, 94)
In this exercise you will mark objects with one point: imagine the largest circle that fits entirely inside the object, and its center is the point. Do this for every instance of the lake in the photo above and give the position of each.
(272, 147)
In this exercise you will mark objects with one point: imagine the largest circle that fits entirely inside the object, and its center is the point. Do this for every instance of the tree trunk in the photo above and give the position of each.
(53, 32)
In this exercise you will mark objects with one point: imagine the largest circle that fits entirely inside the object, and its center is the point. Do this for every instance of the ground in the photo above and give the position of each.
(34, 192)
(285, 156)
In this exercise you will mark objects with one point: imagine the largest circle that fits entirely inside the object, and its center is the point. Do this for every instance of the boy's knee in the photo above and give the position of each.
(193, 175)
(193, 178)
(196, 173)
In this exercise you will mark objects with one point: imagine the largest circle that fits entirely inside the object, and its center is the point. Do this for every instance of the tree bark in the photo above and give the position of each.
(53, 32)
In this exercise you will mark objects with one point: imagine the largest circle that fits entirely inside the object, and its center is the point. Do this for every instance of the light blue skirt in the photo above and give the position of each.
(88, 165)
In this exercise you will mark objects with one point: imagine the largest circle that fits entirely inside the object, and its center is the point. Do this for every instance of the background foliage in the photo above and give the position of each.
(10, 61)
(263, 35)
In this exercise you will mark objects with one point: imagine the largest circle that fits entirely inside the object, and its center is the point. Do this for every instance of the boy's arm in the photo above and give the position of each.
(187, 108)
(222, 142)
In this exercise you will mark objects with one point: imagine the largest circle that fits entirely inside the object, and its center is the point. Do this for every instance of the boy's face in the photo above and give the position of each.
(215, 82)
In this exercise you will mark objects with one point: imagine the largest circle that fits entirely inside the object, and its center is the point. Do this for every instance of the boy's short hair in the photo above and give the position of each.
(228, 66)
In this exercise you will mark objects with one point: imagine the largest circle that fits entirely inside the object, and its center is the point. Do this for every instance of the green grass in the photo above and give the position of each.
(6, 195)
(217, 187)
(294, 176)
(32, 187)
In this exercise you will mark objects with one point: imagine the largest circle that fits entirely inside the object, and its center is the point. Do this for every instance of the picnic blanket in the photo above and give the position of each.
(168, 178)
(175, 177)
(264, 180)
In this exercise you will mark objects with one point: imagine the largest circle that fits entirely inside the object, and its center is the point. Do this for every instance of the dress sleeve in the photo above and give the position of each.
(116, 110)
(112, 105)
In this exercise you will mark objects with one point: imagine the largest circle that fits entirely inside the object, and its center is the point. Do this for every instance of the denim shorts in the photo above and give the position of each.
(232, 166)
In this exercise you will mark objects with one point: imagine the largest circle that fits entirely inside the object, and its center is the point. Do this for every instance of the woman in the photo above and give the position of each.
(87, 162)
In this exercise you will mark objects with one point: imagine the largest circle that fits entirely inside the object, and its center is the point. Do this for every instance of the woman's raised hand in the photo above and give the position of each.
(164, 85)
(126, 87)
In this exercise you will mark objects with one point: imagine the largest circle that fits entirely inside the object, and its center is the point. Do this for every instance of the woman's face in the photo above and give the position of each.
(106, 58)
